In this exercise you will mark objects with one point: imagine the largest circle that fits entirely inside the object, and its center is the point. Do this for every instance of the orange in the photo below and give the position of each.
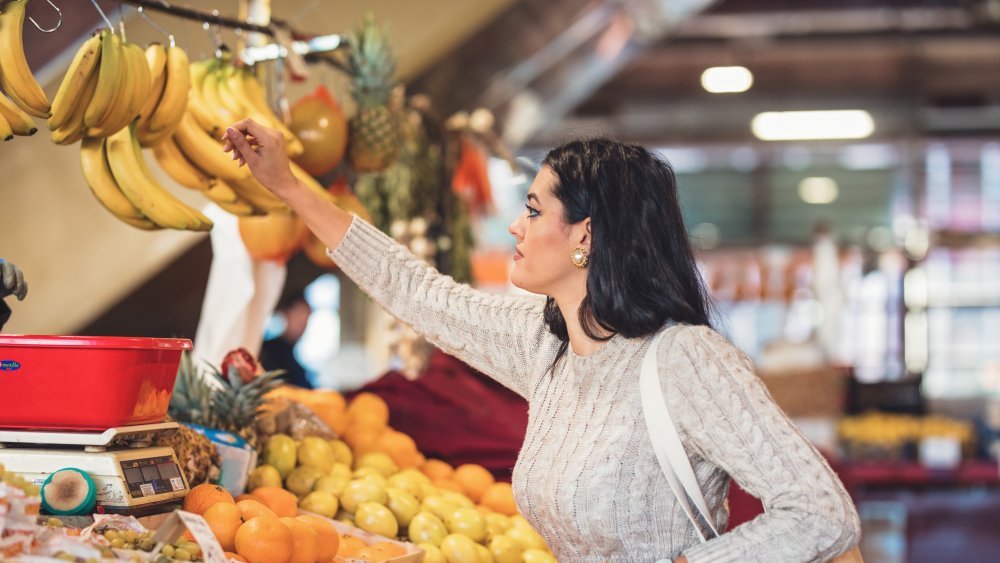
(265, 539)
(336, 420)
(235, 557)
(253, 508)
(224, 519)
(328, 540)
(282, 502)
(369, 406)
(305, 546)
(500, 498)
(393, 549)
(205, 495)
(400, 447)
(247, 496)
(360, 436)
(437, 469)
(380, 552)
(474, 478)
(448, 485)
(329, 400)
(350, 546)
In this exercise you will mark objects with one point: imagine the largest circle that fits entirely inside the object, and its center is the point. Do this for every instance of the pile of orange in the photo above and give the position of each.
(264, 528)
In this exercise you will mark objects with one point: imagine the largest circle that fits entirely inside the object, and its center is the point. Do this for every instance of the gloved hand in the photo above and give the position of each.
(12, 281)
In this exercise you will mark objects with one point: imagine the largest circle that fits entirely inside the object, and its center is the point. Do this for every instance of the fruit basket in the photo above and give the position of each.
(86, 383)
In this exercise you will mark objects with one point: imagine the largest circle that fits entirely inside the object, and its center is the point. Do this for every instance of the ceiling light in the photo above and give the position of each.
(818, 189)
(726, 79)
(801, 125)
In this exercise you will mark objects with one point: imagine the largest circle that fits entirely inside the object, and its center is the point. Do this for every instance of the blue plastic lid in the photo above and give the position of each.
(85, 507)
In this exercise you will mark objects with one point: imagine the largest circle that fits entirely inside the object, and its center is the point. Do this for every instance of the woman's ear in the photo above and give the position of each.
(585, 234)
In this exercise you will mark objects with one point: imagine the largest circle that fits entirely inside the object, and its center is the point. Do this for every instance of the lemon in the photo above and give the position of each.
(378, 461)
(485, 556)
(457, 548)
(316, 452)
(342, 452)
(280, 453)
(377, 519)
(264, 476)
(407, 482)
(458, 499)
(526, 537)
(335, 485)
(301, 480)
(468, 522)
(427, 528)
(362, 490)
(323, 503)
(402, 504)
(432, 554)
(505, 550)
(341, 470)
(373, 474)
(438, 506)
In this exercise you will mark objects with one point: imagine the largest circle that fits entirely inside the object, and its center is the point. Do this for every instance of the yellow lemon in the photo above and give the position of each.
(402, 504)
(427, 528)
(468, 522)
(377, 519)
(342, 452)
(457, 548)
(505, 550)
(431, 553)
(537, 556)
(378, 461)
(362, 490)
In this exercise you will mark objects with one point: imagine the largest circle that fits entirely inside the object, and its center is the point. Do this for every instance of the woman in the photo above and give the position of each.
(603, 240)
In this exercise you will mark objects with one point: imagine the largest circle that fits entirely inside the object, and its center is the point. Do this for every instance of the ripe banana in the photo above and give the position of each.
(128, 168)
(70, 93)
(15, 74)
(178, 167)
(110, 81)
(255, 97)
(206, 152)
(176, 88)
(97, 173)
(142, 84)
(210, 94)
(251, 191)
(19, 121)
(226, 198)
(6, 133)
(156, 59)
(74, 129)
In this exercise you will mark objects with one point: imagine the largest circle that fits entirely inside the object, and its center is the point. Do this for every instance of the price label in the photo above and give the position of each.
(203, 536)
(147, 489)
(177, 483)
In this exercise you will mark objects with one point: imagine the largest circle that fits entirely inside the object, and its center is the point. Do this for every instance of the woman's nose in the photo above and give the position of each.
(514, 230)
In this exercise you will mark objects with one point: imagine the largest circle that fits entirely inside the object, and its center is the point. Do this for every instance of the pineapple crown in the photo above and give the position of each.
(209, 398)
(371, 63)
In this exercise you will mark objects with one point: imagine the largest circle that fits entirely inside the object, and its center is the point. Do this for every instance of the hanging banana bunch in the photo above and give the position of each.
(163, 110)
(221, 94)
(119, 178)
(22, 97)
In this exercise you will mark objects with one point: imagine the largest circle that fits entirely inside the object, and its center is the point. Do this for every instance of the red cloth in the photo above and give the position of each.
(459, 415)
(456, 414)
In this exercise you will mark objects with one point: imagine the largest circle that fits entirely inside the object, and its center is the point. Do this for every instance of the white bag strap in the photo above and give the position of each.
(666, 442)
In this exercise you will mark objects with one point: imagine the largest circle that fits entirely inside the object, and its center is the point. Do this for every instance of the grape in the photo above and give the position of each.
(168, 550)
(182, 554)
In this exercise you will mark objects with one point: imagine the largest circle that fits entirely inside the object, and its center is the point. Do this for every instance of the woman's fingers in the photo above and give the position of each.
(242, 148)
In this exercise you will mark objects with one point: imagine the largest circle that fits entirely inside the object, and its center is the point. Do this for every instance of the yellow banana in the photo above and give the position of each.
(206, 152)
(19, 121)
(178, 167)
(148, 196)
(200, 221)
(210, 94)
(109, 82)
(74, 129)
(307, 179)
(142, 84)
(250, 190)
(176, 89)
(255, 97)
(156, 59)
(143, 223)
(6, 133)
(97, 173)
(15, 74)
(70, 93)
(226, 198)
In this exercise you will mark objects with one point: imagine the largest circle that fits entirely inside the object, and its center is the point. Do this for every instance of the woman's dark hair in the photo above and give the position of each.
(641, 272)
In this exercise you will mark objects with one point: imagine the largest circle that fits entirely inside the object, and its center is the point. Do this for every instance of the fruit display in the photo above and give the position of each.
(319, 123)
(877, 436)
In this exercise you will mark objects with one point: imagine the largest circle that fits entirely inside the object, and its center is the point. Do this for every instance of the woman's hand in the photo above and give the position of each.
(263, 150)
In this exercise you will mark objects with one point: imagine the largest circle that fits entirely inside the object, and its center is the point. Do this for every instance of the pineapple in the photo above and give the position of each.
(206, 398)
(374, 129)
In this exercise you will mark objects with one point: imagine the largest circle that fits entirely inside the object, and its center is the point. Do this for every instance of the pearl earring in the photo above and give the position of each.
(579, 256)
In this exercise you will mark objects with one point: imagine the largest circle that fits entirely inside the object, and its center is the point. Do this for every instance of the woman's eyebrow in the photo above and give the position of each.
(533, 197)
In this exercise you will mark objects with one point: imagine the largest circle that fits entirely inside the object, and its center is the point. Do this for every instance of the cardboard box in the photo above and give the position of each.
(413, 553)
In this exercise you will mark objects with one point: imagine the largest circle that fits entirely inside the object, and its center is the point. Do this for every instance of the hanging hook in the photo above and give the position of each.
(58, 23)
(158, 27)
(104, 16)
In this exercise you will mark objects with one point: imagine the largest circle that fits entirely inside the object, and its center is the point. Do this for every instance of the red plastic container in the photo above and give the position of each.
(86, 383)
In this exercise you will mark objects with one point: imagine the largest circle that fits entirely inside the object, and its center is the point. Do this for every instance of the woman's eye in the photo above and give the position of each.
(532, 212)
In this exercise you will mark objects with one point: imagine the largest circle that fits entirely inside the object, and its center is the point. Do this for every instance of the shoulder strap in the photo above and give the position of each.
(667, 443)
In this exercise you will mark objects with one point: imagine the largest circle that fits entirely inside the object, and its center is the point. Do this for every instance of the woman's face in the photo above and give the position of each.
(544, 241)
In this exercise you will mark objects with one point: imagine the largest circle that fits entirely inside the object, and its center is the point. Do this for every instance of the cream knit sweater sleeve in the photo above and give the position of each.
(499, 335)
(726, 416)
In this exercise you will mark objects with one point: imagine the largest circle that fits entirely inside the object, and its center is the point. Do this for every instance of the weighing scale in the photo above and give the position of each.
(132, 476)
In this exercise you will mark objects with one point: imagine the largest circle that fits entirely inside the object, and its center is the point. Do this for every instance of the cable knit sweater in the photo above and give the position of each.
(587, 477)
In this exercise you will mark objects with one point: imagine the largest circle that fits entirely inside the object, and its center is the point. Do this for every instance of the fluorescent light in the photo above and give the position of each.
(726, 79)
(818, 190)
(800, 125)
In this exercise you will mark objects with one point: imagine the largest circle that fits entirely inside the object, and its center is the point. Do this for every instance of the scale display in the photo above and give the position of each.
(152, 476)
